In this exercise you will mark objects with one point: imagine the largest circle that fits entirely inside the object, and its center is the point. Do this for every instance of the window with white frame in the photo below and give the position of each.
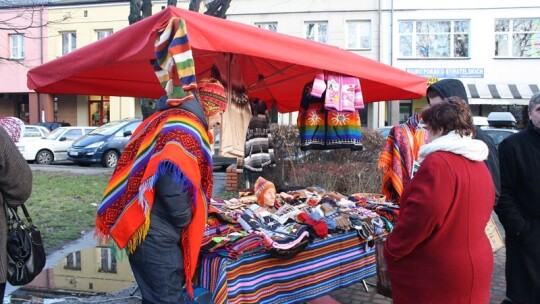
(108, 260)
(16, 43)
(517, 37)
(359, 34)
(434, 38)
(73, 261)
(69, 42)
(271, 26)
(103, 33)
(317, 31)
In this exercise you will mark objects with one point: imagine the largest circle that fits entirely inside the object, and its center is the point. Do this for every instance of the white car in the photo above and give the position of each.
(54, 147)
(32, 132)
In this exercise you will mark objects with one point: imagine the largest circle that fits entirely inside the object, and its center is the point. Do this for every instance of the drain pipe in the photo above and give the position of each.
(41, 113)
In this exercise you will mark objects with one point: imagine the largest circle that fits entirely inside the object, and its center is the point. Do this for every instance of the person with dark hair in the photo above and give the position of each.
(453, 87)
(438, 251)
(15, 184)
(519, 208)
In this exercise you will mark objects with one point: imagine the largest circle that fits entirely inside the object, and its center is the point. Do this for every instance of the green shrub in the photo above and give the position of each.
(339, 170)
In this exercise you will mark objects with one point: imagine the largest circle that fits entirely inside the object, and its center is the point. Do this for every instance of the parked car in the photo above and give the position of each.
(54, 147)
(499, 134)
(480, 121)
(53, 125)
(384, 131)
(501, 120)
(103, 145)
(32, 132)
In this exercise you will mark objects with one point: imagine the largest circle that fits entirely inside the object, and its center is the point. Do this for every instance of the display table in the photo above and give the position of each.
(324, 266)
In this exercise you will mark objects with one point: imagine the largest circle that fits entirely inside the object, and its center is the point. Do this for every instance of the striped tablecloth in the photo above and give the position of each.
(324, 266)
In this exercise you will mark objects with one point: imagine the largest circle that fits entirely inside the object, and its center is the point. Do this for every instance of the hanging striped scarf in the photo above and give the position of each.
(172, 139)
(174, 65)
(398, 156)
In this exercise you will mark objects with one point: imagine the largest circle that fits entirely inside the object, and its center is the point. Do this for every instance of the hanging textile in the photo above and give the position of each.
(322, 129)
(259, 148)
(343, 93)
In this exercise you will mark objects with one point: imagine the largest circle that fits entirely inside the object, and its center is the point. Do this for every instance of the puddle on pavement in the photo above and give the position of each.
(84, 273)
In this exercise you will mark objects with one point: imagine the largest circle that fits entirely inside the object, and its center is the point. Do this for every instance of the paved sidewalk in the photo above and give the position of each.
(356, 294)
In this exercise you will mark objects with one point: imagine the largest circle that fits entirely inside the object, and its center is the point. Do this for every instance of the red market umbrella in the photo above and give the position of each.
(275, 67)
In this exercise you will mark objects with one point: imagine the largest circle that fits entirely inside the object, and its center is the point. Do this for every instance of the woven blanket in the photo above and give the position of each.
(397, 158)
(168, 140)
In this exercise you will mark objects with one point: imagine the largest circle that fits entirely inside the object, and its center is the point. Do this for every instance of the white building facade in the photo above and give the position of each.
(493, 47)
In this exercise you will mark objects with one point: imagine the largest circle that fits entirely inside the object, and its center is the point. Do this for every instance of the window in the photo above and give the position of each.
(73, 134)
(359, 35)
(434, 39)
(16, 43)
(103, 33)
(317, 31)
(107, 260)
(271, 26)
(517, 37)
(32, 132)
(73, 261)
(69, 42)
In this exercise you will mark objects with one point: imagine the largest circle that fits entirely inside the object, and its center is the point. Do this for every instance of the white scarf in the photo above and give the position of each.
(472, 149)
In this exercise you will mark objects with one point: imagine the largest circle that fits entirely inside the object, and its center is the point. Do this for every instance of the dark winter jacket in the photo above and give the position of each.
(15, 188)
(519, 213)
(172, 207)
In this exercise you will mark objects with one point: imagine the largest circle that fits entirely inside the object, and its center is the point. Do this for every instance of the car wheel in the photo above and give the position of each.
(110, 159)
(44, 157)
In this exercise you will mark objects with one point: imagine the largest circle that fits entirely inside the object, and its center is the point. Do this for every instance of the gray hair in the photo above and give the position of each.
(535, 99)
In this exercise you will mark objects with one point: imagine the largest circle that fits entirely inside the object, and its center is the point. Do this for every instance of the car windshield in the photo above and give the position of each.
(109, 128)
(56, 133)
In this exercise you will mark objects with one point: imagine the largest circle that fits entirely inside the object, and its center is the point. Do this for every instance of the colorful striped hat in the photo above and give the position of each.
(212, 95)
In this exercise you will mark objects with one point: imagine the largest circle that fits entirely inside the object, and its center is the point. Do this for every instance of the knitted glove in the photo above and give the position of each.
(343, 222)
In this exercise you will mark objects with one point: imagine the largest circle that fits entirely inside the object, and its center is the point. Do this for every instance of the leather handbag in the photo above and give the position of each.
(25, 252)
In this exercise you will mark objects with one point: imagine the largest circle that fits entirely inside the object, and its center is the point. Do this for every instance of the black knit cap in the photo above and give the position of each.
(447, 88)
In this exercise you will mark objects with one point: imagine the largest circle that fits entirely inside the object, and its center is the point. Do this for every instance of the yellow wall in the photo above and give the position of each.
(89, 278)
(85, 21)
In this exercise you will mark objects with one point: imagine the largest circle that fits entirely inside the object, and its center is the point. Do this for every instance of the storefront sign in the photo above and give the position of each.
(448, 72)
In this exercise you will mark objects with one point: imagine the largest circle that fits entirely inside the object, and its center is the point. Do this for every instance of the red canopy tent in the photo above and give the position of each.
(275, 66)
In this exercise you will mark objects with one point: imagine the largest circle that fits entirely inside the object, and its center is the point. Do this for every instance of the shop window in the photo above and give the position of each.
(434, 39)
(73, 261)
(103, 33)
(517, 37)
(317, 31)
(405, 111)
(359, 35)
(69, 42)
(16, 44)
(271, 26)
(99, 110)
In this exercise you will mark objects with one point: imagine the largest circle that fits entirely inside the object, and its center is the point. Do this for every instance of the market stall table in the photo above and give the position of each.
(322, 267)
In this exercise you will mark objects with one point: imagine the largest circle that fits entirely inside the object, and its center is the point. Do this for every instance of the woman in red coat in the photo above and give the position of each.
(439, 252)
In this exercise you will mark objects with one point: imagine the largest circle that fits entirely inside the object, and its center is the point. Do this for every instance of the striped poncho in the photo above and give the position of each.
(398, 156)
(175, 139)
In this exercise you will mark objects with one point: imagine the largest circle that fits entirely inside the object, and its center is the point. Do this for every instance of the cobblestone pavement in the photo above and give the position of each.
(356, 294)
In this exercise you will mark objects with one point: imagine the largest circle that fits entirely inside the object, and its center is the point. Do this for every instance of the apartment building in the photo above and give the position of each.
(43, 30)
(492, 46)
